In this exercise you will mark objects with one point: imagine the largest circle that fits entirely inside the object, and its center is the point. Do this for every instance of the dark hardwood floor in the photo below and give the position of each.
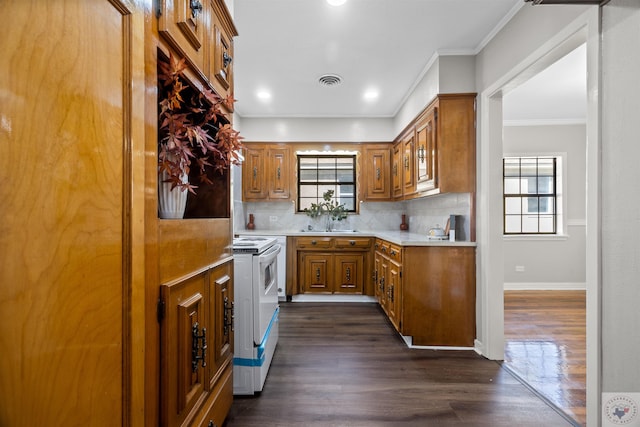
(545, 345)
(342, 364)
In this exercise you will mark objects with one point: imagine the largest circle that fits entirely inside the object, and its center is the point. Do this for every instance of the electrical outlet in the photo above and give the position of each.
(273, 218)
(520, 268)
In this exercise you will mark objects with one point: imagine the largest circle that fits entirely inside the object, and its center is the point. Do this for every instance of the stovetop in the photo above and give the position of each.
(252, 245)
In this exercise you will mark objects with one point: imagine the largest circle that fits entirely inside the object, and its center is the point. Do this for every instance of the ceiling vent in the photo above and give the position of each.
(330, 80)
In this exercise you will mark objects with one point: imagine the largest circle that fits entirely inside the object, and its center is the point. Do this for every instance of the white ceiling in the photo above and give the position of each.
(284, 46)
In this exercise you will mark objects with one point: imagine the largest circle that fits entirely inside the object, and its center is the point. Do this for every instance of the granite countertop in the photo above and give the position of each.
(402, 238)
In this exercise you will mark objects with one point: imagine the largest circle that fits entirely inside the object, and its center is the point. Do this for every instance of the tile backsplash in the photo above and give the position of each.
(421, 214)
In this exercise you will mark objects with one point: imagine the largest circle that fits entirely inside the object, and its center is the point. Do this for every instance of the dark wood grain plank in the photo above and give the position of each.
(342, 364)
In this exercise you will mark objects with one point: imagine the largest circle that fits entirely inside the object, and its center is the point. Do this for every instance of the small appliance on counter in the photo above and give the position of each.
(437, 233)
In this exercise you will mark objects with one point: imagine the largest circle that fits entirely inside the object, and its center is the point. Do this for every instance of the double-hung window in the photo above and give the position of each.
(319, 173)
(530, 195)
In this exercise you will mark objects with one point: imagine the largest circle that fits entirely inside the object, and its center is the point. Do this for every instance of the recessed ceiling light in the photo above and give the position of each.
(336, 2)
(263, 95)
(371, 95)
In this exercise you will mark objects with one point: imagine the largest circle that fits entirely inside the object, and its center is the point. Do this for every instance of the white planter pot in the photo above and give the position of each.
(171, 203)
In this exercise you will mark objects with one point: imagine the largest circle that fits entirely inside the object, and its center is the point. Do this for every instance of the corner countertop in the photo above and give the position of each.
(402, 238)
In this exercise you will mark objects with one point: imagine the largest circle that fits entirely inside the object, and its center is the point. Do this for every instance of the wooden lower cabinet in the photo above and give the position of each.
(388, 277)
(196, 348)
(428, 292)
(332, 265)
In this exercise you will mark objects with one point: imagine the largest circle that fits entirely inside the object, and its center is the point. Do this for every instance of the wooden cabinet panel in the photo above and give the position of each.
(394, 294)
(349, 273)
(221, 312)
(222, 31)
(426, 151)
(279, 173)
(266, 172)
(397, 183)
(184, 329)
(315, 271)
(377, 171)
(456, 147)
(333, 265)
(408, 169)
(254, 183)
(439, 306)
(182, 24)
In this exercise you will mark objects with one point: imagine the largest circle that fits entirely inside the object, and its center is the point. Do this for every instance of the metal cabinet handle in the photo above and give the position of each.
(226, 59)
(378, 174)
(198, 347)
(196, 8)
(406, 162)
(278, 173)
(313, 242)
(395, 169)
(352, 242)
(255, 172)
(348, 274)
(317, 274)
(392, 252)
(211, 424)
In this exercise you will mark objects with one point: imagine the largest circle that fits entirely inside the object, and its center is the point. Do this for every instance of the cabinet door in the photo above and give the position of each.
(426, 151)
(349, 273)
(396, 170)
(221, 49)
(254, 186)
(378, 176)
(279, 173)
(221, 312)
(315, 271)
(377, 277)
(408, 170)
(184, 339)
(394, 294)
(182, 24)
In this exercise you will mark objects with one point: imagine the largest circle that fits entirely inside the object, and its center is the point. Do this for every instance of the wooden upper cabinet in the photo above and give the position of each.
(437, 152)
(456, 143)
(254, 183)
(396, 170)
(408, 165)
(377, 172)
(221, 49)
(426, 170)
(279, 173)
(183, 24)
(266, 172)
(202, 31)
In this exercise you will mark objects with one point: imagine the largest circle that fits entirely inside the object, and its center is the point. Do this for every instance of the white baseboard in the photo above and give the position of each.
(545, 286)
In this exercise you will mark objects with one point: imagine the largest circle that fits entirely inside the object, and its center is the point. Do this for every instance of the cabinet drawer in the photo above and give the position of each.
(394, 252)
(314, 242)
(358, 242)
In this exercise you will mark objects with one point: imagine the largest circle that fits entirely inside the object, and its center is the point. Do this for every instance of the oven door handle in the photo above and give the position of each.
(270, 254)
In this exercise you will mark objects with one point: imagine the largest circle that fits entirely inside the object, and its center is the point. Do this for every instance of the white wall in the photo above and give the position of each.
(620, 201)
(551, 262)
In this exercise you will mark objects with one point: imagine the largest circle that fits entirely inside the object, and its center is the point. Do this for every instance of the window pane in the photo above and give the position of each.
(345, 175)
(512, 224)
(512, 167)
(545, 185)
(546, 205)
(349, 203)
(530, 205)
(546, 167)
(309, 191)
(308, 175)
(530, 223)
(327, 175)
(308, 163)
(512, 186)
(513, 205)
(547, 224)
(528, 166)
(529, 185)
